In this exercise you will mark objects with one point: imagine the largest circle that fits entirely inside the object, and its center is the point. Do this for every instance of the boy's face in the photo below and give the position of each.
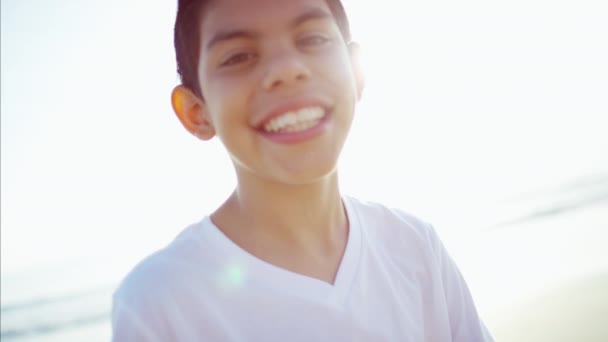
(278, 85)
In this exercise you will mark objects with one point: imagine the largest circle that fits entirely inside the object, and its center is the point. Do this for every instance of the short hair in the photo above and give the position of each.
(187, 37)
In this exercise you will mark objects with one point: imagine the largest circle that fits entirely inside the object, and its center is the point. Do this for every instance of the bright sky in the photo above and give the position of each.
(465, 101)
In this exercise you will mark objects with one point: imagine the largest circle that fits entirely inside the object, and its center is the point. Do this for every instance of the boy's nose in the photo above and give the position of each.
(285, 70)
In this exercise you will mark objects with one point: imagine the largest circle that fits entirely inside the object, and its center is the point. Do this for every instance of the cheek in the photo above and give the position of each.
(337, 69)
(227, 99)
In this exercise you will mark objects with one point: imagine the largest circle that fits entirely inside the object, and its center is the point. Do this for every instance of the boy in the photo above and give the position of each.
(286, 257)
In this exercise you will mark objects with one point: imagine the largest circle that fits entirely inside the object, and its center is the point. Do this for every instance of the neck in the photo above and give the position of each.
(307, 216)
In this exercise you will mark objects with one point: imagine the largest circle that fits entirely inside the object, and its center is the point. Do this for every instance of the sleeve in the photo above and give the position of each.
(465, 324)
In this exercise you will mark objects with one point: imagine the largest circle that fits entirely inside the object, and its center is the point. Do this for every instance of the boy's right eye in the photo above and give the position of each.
(237, 58)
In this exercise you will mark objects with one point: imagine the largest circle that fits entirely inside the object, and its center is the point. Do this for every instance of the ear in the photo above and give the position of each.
(355, 58)
(192, 111)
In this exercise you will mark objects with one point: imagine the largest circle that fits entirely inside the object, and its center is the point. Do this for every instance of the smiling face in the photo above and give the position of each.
(278, 88)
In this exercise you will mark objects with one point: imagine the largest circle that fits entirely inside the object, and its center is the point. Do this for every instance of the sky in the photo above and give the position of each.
(466, 103)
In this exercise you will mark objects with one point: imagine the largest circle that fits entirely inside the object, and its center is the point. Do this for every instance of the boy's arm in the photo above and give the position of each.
(465, 324)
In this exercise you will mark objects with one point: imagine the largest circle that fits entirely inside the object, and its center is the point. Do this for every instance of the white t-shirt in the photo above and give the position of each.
(396, 282)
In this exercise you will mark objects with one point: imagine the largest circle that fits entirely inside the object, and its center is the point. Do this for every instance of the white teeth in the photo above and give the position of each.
(296, 121)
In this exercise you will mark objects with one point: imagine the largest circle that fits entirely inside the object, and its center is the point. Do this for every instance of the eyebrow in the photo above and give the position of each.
(312, 14)
(228, 35)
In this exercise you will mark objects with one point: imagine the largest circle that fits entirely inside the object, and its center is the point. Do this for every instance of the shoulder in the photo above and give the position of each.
(156, 275)
(156, 296)
(396, 234)
(383, 221)
(412, 244)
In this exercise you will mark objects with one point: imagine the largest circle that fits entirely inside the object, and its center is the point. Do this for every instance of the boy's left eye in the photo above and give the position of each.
(313, 40)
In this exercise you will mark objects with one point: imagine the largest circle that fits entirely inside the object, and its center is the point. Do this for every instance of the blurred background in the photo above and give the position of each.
(485, 118)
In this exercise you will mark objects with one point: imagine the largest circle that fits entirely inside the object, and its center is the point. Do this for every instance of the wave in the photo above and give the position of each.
(45, 315)
(545, 203)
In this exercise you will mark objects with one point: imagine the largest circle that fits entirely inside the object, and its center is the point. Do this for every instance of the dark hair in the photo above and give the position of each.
(187, 37)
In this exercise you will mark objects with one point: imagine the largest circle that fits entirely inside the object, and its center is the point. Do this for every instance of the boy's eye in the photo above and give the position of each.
(238, 58)
(313, 40)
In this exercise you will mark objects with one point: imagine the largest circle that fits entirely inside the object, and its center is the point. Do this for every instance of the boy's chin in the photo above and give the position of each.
(310, 178)
(292, 170)
(301, 176)
(311, 172)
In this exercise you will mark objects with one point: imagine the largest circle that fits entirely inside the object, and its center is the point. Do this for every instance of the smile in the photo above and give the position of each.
(296, 121)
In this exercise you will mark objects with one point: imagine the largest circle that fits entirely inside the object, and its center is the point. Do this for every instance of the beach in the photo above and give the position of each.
(576, 311)
(483, 119)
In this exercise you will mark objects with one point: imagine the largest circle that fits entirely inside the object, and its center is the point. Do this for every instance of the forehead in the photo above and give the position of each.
(228, 15)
